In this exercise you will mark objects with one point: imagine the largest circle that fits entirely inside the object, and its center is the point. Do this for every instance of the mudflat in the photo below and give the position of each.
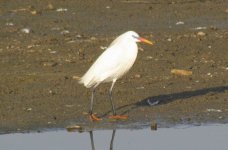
(45, 46)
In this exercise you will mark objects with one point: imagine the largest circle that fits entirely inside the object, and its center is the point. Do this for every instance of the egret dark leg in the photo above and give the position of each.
(113, 108)
(91, 102)
(111, 99)
(92, 116)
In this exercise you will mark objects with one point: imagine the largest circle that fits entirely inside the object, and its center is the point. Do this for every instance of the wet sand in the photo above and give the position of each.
(46, 45)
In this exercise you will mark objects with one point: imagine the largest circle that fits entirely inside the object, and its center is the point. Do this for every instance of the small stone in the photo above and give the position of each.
(180, 23)
(50, 64)
(226, 10)
(75, 128)
(137, 76)
(50, 7)
(169, 39)
(103, 47)
(9, 24)
(76, 77)
(93, 38)
(181, 72)
(61, 9)
(34, 12)
(25, 30)
(154, 126)
(149, 57)
(29, 109)
(200, 28)
(200, 33)
(64, 32)
(141, 49)
(78, 36)
(30, 46)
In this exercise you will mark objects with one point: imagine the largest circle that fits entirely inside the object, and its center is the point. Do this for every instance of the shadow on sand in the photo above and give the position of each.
(168, 98)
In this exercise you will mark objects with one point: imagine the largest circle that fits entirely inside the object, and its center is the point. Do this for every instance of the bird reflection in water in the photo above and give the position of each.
(111, 142)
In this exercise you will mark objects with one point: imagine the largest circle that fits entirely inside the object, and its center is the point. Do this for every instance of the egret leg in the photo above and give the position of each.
(92, 116)
(114, 116)
(91, 102)
(111, 99)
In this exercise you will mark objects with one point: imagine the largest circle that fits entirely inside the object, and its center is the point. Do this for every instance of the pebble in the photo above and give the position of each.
(50, 64)
(154, 126)
(213, 110)
(29, 109)
(226, 10)
(9, 24)
(64, 32)
(61, 9)
(200, 28)
(50, 7)
(93, 38)
(140, 87)
(34, 12)
(149, 57)
(137, 76)
(180, 23)
(103, 47)
(76, 77)
(169, 39)
(78, 36)
(75, 128)
(200, 33)
(30, 46)
(181, 72)
(141, 49)
(25, 30)
(52, 52)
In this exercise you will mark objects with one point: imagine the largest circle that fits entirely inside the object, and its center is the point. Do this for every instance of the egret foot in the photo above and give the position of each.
(124, 117)
(94, 118)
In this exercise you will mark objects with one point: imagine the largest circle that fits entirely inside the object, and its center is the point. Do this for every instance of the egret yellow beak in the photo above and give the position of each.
(146, 41)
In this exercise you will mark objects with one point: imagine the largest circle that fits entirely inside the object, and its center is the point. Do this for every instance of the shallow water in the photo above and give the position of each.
(208, 137)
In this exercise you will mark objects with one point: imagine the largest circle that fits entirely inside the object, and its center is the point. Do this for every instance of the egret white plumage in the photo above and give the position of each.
(112, 64)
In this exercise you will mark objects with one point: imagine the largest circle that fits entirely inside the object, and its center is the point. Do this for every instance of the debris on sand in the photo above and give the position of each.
(154, 126)
(25, 30)
(181, 72)
(152, 102)
(76, 77)
(200, 33)
(200, 28)
(180, 23)
(61, 9)
(213, 110)
(75, 128)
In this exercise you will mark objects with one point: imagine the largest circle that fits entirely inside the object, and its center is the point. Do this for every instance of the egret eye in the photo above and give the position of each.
(134, 36)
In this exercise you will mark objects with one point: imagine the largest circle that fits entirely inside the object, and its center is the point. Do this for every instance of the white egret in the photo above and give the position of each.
(112, 64)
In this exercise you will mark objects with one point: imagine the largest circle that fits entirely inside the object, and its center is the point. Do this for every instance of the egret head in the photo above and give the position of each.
(136, 38)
